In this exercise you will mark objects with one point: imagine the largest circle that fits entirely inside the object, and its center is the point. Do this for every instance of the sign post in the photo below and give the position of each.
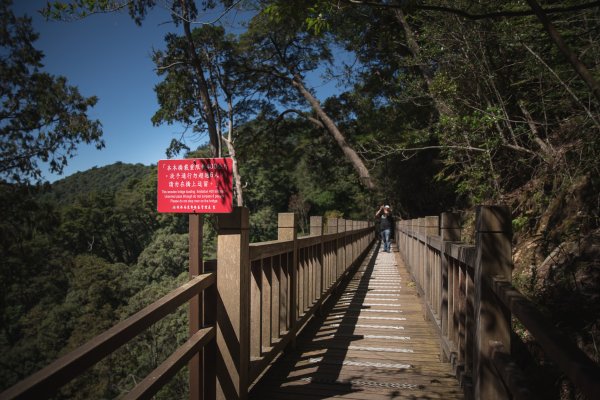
(195, 186)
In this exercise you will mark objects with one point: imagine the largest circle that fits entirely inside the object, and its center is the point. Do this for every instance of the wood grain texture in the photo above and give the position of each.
(371, 343)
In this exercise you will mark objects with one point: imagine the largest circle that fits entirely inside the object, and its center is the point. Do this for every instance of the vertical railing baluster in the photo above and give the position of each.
(348, 251)
(455, 301)
(284, 298)
(275, 297)
(255, 310)
(266, 313)
(470, 317)
(341, 248)
(431, 229)
(332, 226)
(301, 281)
(462, 301)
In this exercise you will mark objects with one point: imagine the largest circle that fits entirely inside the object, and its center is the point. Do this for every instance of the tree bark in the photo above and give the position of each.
(351, 155)
(236, 172)
(548, 152)
(209, 114)
(440, 105)
(579, 67)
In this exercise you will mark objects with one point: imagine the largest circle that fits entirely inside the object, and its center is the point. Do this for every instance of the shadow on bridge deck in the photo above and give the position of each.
(371, 342)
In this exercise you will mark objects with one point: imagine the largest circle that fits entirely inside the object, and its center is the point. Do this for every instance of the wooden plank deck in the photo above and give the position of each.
(371, 343)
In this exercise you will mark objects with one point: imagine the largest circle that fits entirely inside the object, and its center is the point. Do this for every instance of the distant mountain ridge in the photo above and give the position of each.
(109, 178)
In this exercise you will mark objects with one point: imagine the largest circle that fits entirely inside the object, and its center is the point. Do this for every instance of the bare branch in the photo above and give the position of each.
(567, 88)
(214, 21)
(169, 66)
(383, 151)
(314, 120)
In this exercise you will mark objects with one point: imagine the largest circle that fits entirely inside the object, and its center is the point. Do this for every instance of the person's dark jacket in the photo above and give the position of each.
(386, 222)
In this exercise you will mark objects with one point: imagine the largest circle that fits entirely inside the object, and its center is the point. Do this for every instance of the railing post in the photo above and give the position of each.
(195, 309)
(492, 319)
(233, 307)
(286, 230)
(450, 231)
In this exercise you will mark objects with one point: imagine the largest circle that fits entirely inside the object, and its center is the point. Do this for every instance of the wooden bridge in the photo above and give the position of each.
(371, 342)
(331, 316)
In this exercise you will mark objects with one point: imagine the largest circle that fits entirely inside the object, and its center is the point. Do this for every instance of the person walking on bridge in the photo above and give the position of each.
(384, 214)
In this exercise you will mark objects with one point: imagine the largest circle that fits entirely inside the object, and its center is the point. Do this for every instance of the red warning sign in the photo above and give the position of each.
(195, 185)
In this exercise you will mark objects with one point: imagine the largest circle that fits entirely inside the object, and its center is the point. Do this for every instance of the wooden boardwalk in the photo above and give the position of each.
(371, 343)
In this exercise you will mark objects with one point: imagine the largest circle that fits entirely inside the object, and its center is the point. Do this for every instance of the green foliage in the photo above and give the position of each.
(42, 118)
(110, 178)
(291, 167)
(478, 112)
(166, 256)
(519, 223)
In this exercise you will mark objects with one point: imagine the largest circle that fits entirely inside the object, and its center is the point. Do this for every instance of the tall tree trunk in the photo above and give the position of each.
(440, 105)
(214, 76)
(209, 114)
(579, 67)
(236, 172)
(413, 46)
(339, 137)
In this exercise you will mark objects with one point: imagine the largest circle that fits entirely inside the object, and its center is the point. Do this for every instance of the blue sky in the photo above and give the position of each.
(108, 56)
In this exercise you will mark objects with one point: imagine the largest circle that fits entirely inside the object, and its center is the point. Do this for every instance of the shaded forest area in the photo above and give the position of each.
(443, 105)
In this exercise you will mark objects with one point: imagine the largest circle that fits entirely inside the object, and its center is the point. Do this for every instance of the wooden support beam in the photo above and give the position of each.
(449, 232)
(287, 231)
(195, 309)
(492, 318)
(233, 307)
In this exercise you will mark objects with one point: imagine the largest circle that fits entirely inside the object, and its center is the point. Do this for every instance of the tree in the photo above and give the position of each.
(177, 93)
(278, 52)
(42, 118)
(207, 83)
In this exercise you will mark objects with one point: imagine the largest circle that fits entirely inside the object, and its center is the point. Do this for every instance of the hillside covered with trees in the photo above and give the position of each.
(443, 105)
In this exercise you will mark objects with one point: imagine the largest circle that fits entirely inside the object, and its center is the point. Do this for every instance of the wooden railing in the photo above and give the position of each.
(268, 291)
(470, 299)
(44, 383)
(240, 318)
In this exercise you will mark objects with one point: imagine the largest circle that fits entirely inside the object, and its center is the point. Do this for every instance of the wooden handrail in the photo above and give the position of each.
(576, 365)
(451, 303)
(285, 281)
(268, 291)
(269, 249)
(49, 379)
(165, 371)
(512, 375)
